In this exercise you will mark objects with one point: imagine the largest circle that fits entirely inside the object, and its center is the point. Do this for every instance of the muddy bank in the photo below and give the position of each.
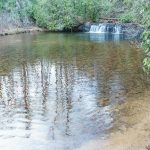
(21, 30)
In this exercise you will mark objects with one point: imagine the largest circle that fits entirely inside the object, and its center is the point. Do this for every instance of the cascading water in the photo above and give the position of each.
(106, 28)
(117, 29)
(100, 28)
(94, 28)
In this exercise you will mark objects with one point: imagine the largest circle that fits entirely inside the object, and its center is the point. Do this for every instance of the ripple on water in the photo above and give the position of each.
(59, 91)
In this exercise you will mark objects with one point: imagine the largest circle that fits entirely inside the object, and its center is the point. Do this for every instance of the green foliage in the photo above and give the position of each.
(138, 10)
(126, 18)
(58, 14)
(146, 35)
(147, 63)
(18, 8)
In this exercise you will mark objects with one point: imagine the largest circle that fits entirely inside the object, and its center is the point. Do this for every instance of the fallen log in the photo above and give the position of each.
(113, 19)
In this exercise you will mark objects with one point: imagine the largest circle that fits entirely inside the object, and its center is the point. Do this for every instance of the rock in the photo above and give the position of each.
(104, 102)
(85, 27)
(132, 31)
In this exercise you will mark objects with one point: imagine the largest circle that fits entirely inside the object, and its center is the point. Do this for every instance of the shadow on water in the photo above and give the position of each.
(57, 90)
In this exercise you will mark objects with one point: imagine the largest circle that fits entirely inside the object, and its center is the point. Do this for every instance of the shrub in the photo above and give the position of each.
(126, 18)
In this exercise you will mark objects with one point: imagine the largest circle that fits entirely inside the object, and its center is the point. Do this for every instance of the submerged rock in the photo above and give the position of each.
(104, 102)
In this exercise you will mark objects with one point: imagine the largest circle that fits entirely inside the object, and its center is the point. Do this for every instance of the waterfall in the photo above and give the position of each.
(100, 28)
(117, 29)
(94, 28)
(106, 28)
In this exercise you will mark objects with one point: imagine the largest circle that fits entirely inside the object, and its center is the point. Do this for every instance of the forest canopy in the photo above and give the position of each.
(53, 14)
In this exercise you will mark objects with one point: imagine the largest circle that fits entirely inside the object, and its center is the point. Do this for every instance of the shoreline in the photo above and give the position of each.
(31, 29)
(13, 31)
(132, 31)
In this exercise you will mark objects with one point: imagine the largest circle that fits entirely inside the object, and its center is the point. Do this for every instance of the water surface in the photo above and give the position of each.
(60, 91)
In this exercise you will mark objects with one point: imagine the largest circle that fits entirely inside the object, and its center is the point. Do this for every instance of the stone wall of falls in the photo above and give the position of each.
(129, 30)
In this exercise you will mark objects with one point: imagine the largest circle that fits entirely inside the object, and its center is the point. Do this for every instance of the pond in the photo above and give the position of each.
(62, 91)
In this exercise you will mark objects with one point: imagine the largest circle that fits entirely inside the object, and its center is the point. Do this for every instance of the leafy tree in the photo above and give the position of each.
(57, 14)
(146, 36)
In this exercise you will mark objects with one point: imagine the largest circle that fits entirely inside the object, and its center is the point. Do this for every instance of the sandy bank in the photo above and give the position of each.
(133, 133)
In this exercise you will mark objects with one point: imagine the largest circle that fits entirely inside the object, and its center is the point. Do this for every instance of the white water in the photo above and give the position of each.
(106, 28)
(100, 28)
(117, 29)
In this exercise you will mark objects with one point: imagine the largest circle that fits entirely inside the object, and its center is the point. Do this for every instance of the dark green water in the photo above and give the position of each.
(57, 90)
